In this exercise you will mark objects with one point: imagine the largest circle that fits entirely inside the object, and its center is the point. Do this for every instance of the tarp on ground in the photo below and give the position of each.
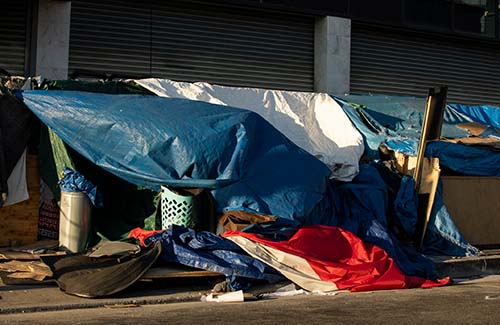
(207, 251)
(151, 141)
(313, 121)
(322, 258)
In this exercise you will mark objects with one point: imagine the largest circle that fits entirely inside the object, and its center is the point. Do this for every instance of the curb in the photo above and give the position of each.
(467, 267)
(155, 301)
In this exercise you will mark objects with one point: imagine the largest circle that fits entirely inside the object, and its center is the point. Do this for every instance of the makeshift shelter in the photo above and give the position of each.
(468, 157)
(129, 143)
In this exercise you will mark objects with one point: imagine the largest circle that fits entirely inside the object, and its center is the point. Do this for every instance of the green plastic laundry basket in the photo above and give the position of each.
(177, 209)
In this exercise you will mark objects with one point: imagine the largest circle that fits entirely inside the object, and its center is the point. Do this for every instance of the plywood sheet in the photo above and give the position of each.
(474, 204)
(165, 272)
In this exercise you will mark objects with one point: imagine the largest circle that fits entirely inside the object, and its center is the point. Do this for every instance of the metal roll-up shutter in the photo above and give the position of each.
(194, 41)
(233, 46)
(13, 36)
(404, 63)
(110, 37)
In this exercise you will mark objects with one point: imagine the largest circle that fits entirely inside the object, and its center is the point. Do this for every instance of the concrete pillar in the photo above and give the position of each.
(52, 53)
(332, 55)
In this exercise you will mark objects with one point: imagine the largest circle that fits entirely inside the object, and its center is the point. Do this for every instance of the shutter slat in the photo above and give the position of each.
(390, 62)
(13, 36)
(193, 41)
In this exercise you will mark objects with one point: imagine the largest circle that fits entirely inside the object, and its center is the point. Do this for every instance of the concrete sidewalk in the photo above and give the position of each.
(469, 267)
(36, 298)
(48, 297)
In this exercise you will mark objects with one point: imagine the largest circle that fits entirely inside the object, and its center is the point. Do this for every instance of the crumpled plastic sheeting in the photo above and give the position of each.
(364, 211)
(207, 251)
(151, 141)
(484, 114)
(405, 114)
(442, 236)
(313, 121)
(396, 121)
(73, 181)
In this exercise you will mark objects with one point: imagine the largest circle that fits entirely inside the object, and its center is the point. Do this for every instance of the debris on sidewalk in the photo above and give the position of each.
(235, 296)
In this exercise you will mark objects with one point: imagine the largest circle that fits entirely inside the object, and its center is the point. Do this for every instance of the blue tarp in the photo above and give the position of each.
(364, 209)
(152, 141)
(207, 251)
(404, 114)
(442, 236)
(397, 122)
(483, 114)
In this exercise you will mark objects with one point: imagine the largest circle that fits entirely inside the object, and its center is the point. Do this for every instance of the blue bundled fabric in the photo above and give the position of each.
(207, 251)
(442, 236)
(73, 181)
(396, 122)
(466, 160)
(152, 141)
(364, 210)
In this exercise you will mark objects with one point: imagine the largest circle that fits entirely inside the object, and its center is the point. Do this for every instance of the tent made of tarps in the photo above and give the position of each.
(313, 121)
(152, 141)
(396, 121)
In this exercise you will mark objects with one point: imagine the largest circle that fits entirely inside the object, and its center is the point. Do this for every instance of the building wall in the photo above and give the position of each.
(53, 30)
(332, 55)
(342, 60)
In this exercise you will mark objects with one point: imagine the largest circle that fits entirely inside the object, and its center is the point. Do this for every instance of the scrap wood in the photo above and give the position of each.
(36, 268)
(7, 255)
(19, 271)
(31, 252)
(473, 128)
(177, 271)
(40, 246)
(26, 275)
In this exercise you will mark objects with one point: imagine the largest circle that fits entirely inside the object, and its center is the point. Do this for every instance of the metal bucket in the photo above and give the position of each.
(74, 221)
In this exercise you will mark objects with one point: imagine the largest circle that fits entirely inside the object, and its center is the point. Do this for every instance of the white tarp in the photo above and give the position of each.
(313, 121)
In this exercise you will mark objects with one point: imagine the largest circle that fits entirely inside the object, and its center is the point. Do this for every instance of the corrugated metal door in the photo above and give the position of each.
(391, 62)
(13, 36)
(193, 41)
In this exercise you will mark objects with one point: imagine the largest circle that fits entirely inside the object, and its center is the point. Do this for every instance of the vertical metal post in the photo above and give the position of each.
(431, 130)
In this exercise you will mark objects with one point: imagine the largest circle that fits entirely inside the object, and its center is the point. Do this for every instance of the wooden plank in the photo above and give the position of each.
(166, 272)
(427, 192)
(31, 251)
(6, 255)
(19, 222)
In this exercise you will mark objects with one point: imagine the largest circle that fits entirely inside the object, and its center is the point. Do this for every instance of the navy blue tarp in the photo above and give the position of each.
(152, 141)
(397, 121)
(207, 251)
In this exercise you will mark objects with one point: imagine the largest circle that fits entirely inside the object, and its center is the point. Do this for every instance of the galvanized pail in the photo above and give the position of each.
(74, 221)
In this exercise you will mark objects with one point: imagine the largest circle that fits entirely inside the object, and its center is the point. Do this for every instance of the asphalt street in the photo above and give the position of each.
(470, 302)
